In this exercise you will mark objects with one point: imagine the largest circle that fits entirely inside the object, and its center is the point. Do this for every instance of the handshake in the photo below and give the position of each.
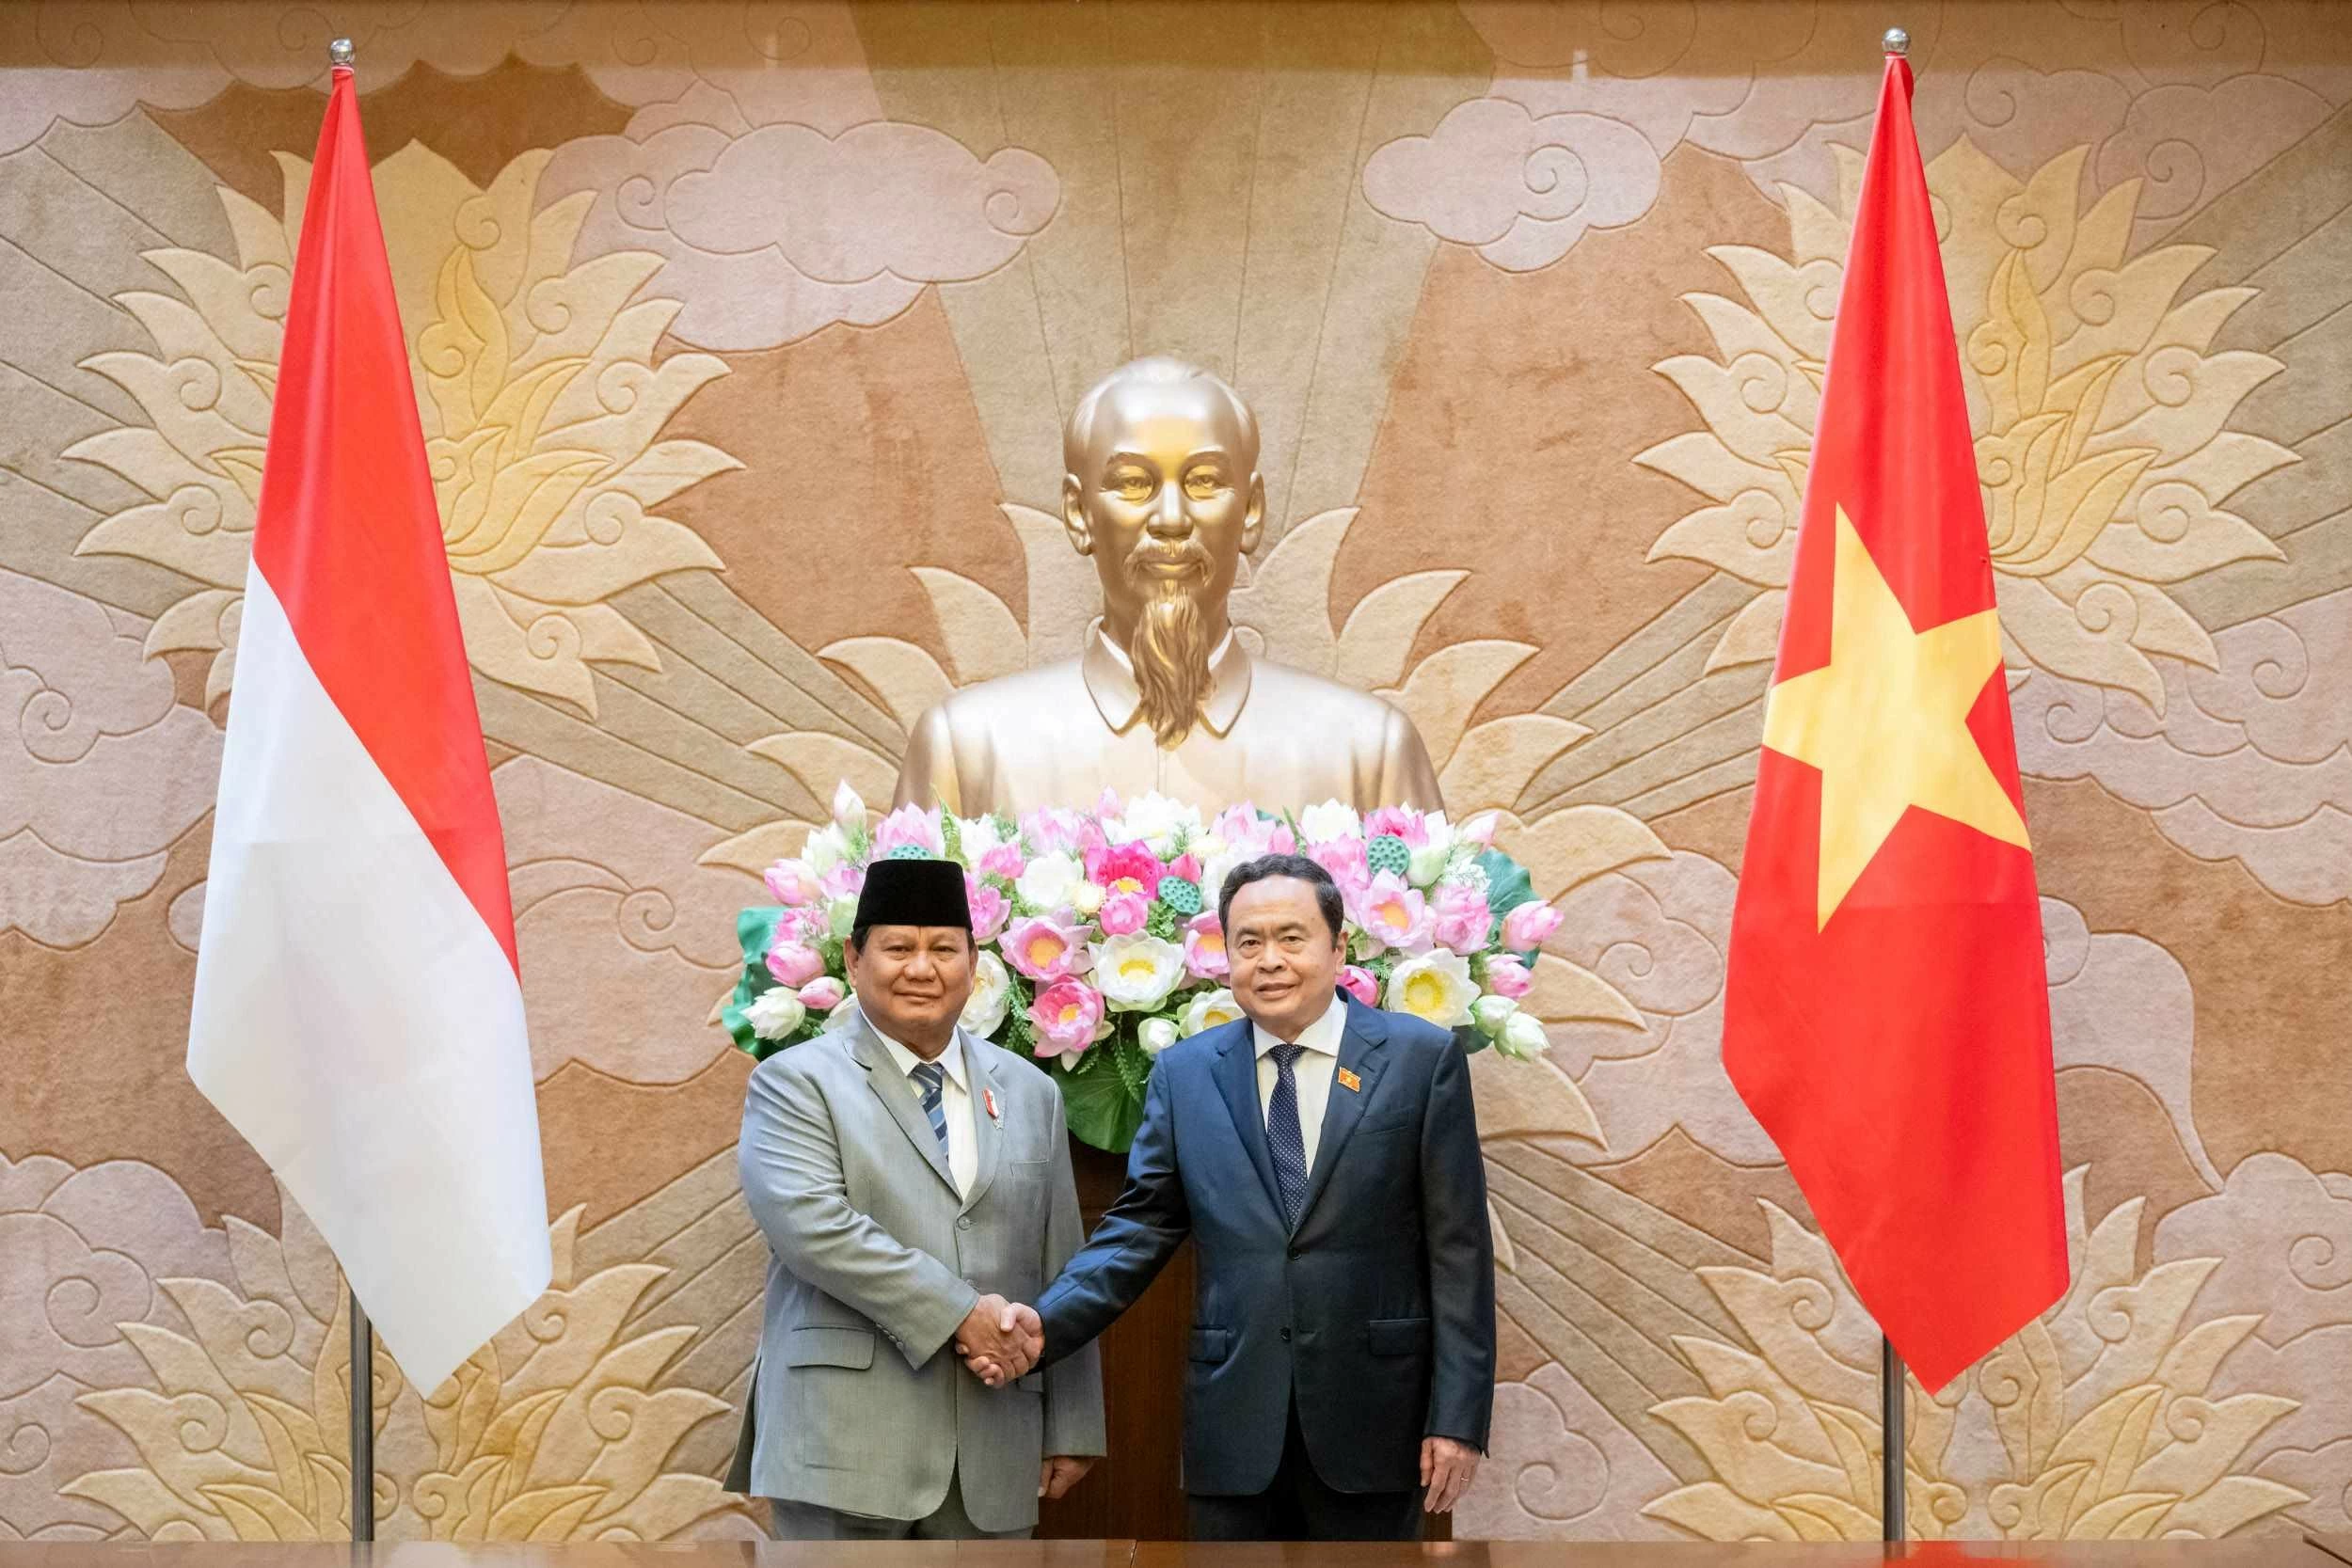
(1000, 1340)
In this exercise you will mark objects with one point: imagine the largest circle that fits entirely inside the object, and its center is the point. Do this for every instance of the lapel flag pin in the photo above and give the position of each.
(1349, 1081)
(987, 1098)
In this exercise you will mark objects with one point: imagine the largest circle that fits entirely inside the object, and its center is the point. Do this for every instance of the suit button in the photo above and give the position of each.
(963, 1222)
(1294, 1254)
(1286, 1334)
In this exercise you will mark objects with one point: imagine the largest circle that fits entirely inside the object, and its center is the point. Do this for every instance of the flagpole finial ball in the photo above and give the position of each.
(339, 52)
(1898, 41)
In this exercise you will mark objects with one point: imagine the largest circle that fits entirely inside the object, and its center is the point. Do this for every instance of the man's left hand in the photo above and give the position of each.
(1447, 1468)
(1060, 1473)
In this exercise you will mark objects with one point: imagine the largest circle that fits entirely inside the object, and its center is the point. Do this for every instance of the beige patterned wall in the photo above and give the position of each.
(742, 334)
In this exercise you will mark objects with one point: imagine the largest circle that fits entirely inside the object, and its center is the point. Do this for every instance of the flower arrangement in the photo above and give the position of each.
(1099, 941)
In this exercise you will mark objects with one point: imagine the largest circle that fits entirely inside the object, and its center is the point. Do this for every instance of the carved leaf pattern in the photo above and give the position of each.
(541, 399)
(558, 1429)
(2100, 1405)
(2097, 405)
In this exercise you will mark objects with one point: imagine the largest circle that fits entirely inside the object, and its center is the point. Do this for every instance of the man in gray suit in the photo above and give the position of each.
(909, 1178)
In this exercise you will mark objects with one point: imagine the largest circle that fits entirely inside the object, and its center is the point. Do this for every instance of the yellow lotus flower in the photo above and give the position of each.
(1436, 988)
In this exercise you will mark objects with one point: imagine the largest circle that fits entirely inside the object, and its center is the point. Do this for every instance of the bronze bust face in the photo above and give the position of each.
(1161, 489)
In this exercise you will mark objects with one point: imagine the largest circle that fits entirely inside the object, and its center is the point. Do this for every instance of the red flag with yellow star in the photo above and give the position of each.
(1885, 1014)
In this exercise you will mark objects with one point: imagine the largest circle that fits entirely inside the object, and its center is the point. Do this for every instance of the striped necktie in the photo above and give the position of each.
(933, 1079)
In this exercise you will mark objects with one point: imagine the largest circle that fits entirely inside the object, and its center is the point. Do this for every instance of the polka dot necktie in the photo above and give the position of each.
(1284, 1140)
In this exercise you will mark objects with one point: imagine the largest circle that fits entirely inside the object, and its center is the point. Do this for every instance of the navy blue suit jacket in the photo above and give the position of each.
(1377, 1311)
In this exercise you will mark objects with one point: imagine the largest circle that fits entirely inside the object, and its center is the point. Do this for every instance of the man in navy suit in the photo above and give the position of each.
(1324, 1155)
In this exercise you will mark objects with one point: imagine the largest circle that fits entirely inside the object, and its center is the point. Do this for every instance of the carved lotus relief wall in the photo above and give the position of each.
(741, 339)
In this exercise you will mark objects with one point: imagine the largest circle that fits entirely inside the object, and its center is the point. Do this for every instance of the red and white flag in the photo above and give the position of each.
(358, 1016)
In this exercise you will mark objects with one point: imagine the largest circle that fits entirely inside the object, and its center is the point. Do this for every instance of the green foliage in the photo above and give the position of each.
(1508, 886)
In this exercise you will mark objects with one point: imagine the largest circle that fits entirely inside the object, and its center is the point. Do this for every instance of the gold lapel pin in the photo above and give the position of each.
(1349, 1081)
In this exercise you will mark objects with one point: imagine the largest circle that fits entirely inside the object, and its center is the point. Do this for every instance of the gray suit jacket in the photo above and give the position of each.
(858, 1401)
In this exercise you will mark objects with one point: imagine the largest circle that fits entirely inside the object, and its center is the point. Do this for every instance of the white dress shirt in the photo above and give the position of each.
(1314, 1071)
(954, 1097)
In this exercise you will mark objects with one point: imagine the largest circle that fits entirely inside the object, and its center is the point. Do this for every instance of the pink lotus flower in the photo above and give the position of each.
(1345, 859)
(790, 883)
(1058, 827)
(1461, 919)
(1125, 868)
(1479, 829)
(1186, 866)
(795, 963)
(1402, 821)
(1067, 1014)
(1391, 914)
(823, 994)
(1005, 861)
(910, 825)
(1359, 983)
(989, 908)
(1507, 977)
(1204, 947)
(1239, 825)
(1527, 925)
(1123, 915)
(843, 881)
(1044, 951)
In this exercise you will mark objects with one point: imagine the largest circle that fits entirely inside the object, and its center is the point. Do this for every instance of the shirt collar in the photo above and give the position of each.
(951, 1058)
(1110, 680)
(1323, 1035)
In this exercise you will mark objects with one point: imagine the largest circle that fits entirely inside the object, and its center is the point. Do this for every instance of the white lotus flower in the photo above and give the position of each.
(1436, 986)
(1523, 1038)
(848, 807)
(841, 916)
(992, 994)
(1087, 899)
(1332, 819)
(826, 848)
(1048, 881)
(1208, 1009)
(1158, 1034)
(974, 837)
(1429, 859)
(1155, 820)
(1138, 971)
(775, 1013)
(1492, 1013)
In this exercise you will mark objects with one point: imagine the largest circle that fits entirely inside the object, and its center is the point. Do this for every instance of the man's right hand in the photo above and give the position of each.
(1000, 1340)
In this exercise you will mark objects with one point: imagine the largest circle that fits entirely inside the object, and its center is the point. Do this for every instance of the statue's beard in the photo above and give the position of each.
(1170, 647)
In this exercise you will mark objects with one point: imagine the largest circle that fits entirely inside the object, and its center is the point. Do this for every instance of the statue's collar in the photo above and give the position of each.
(1110, 680)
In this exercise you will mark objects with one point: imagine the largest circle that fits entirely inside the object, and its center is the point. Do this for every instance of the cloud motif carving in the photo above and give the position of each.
(1523, 188)
(2251, 761)
(99, 770)
(770, 233)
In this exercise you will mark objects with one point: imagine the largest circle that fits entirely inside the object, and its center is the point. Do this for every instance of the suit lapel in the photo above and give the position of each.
(898, 1097)
(1360, 1054)
(988, 1131)
(1237, 1075)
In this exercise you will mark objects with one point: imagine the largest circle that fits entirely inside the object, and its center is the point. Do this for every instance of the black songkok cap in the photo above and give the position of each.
(913, 893)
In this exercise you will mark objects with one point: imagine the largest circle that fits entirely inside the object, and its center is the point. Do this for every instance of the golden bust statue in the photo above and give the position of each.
(1161, 489)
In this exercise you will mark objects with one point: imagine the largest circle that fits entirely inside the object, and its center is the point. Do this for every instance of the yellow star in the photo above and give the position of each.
(1886, 722)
